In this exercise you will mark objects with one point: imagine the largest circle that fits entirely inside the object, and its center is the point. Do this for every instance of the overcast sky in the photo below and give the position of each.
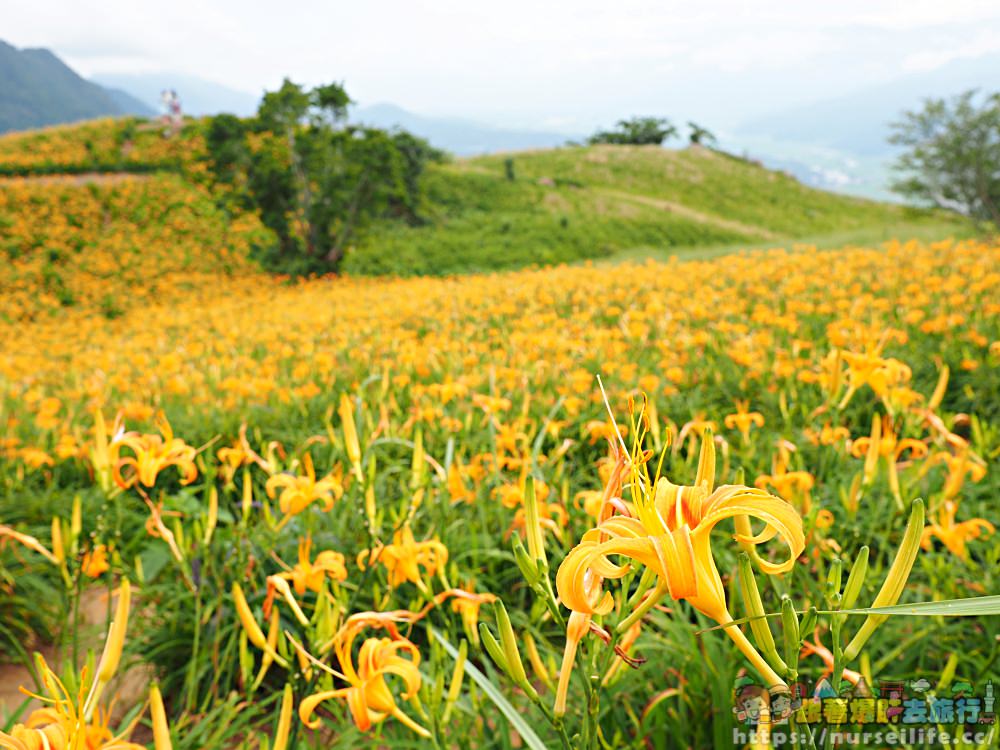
(565, 64)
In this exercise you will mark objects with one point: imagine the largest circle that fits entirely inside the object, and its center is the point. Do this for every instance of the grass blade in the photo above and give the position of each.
(516, 720)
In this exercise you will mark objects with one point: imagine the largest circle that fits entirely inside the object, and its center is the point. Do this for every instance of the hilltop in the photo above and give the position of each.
(575, 203)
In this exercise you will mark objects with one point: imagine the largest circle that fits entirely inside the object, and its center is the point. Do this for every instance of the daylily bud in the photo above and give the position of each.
(284, 719)
(834, 578)
(457, 676)
(116, 635)
(273, 631)
(533, 527)
(809, 620)
(895, 581)
(213, 515)
(161, 731)
(113, 646)
(418, 465)
(528, 567)
(755, 611)
(871, 459)
(57, 541)
(250, 626)
(247, 493)
(706, 461)
(509, 642)
(852, 497)
(76, 519)
(856, 579)
(489, 641)
(370, 498)
(351, 444)
(790, 628)
(939, 389)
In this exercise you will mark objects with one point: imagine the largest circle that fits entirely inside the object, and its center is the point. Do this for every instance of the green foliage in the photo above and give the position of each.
(637, 131)
(315, 181)
(574, 204)
(698, 135)
(952, 156)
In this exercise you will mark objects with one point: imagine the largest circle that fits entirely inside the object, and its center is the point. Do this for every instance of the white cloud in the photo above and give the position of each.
(523, 59)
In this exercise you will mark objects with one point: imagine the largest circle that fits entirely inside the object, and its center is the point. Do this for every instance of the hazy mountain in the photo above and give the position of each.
(457, 135)
(37, 89)
(198, 96)
(858, 122)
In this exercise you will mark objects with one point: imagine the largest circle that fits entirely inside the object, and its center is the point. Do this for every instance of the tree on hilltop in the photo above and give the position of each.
(315, 180)
(637, 131)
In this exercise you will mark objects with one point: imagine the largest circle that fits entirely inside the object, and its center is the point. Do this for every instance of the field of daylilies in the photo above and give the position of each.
(645, 505)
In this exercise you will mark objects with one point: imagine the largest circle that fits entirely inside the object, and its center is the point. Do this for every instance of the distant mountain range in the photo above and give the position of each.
(458, 135)
(198, 96)
(836, 143)
(859, 123)
(40, 89)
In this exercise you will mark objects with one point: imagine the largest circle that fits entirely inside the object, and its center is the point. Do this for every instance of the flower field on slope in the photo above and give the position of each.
(313, 487)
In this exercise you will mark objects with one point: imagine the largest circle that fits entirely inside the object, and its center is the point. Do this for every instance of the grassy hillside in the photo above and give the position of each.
(562, 205)
(608, 201)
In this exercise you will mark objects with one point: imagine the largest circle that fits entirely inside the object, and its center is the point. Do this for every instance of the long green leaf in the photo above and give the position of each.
(973, 606)
(517, 721)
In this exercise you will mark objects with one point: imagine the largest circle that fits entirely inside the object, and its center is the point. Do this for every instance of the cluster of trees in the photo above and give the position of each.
(644, 131)
(952, 155)
(313, 179)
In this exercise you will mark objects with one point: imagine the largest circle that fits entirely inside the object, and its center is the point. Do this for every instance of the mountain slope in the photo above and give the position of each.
(39, 89)
(858, 123)
(579, 203)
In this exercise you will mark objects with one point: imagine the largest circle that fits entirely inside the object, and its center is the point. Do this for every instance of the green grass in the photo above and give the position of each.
(613, 202)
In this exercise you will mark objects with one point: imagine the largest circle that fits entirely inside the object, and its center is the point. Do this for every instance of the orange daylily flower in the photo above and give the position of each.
(884, 443)
(405, 556)
(743, 419)
(368, 696)
(151, 455)
(954, 535)
(672, 537)
(961, 465)
(299, 492)
(793, 486)
(309, 575)
(95, 562)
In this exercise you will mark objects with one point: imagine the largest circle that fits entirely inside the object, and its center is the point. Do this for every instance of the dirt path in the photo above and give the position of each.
(691, 213)
(84, 178)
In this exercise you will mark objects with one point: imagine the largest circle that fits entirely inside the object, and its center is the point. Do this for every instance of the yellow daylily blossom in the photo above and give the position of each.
(309, 575)
(793, 486)
(870, 368)
(962, 464)
(405, 556)
(151, 455)
(62, 725)
(75, 721)
(743, 419)
(368, 696)
(884, 443)
(299, 492)
(672, 537)
(954, 535)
